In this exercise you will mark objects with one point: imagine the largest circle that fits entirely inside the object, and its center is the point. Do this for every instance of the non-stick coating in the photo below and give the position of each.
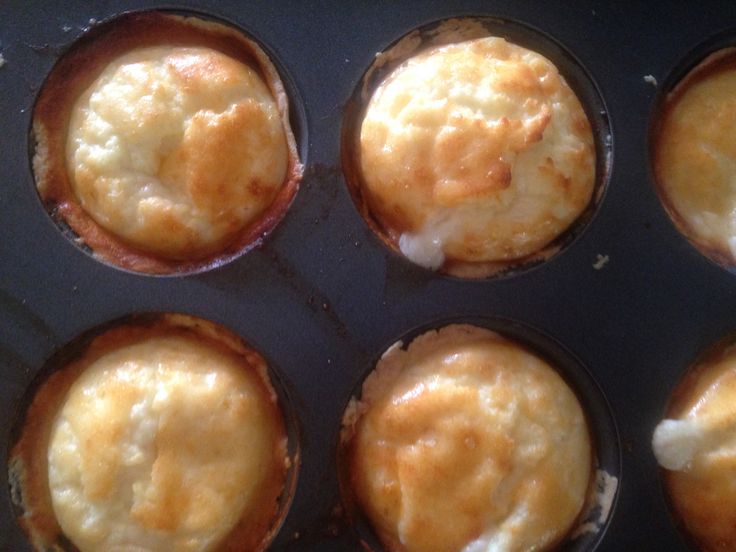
(323, 297)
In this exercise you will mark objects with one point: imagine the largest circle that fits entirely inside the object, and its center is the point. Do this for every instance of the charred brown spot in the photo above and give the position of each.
(256, 188)
(536, 130)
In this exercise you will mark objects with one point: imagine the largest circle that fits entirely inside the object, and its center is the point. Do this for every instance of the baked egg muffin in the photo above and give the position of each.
(475, 155)
(466, 441)
(694, 152)
(696, 447)
(166, 436)
(169, 155)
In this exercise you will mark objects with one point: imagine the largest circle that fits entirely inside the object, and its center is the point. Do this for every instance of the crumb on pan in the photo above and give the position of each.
(605, 491)
(650, 79)
(600, 261)
(2, 60)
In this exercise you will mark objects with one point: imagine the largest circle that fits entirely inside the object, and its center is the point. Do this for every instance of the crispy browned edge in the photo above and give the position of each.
(716, 62)
(74, 73)
(450, 31)
(352, 507)
(28, 462)
(681, 396)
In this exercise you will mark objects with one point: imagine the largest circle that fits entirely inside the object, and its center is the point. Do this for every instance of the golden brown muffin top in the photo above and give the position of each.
(175, 150)
(465, 441)
(164, 142)
(157, 438)
(475, 152)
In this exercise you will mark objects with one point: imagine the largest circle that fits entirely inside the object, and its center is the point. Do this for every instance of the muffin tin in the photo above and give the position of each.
(323, 296)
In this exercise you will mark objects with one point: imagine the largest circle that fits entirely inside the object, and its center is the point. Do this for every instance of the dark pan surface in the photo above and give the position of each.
(322, 298)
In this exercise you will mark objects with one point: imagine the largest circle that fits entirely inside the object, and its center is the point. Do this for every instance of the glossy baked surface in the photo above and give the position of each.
(164, 143)
(157, 438)
(697, 445)
(466, 441)
(475, 152)
(175, 150)
(695, 155)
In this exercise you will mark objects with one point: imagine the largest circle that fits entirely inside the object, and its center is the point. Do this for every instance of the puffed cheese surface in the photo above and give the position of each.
(467, 442)
(160, 445)
(698, 446)
(476, 151)
(696, 159)
(176, 149)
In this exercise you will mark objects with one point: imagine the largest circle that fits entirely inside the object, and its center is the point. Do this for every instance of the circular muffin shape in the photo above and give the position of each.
(469, 152)
(693, 151)
(696, 447)
(468, 440)
(162, 432)
(164, 143)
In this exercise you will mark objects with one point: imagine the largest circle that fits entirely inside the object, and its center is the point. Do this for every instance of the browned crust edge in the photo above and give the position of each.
(28, 464)
(74, 73)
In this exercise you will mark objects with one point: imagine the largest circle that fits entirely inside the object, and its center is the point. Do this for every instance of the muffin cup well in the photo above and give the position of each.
(31, 432)
(590, 527)
(715, 54)
(686, 391)
(456, 30)
(77, 69)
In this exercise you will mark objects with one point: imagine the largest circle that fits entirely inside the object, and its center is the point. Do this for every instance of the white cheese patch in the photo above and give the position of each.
(676, 442)
(425, 249)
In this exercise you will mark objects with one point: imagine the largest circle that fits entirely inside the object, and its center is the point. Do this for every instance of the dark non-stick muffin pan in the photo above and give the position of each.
(622, 309)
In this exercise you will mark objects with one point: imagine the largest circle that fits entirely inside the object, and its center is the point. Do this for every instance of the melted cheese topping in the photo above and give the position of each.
(160, 445)
(700, 446)
(696, 160)
(476, 151)
(466, 441)
(175, 150)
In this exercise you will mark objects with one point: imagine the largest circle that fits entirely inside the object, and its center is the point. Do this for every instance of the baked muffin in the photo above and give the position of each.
(696, 447)
(158, 437)
(694, 150)
(475, 154)
(170, 154)
(467, 441)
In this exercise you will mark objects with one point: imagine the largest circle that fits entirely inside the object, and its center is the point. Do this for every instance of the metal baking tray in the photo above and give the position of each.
(323, 297)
